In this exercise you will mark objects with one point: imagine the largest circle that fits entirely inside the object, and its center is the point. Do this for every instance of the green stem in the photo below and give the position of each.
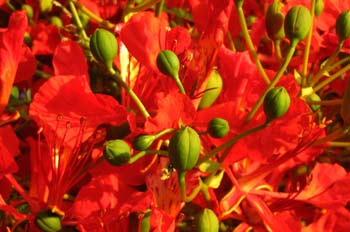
(250, 44)
(63, 8)
(143, 6)
(338, 144)
(231, 43)
(164, 132)
(78, 22)
(182, 182)
(159, 7)
(278, 49)
(205, 191)
(229, 143)
(179, 85)
(141, 154)
(331, 78)
(42, 74)
(8, 2)
(277, 77)
(326, 102)
(105, 23)
(332, 136)
(131, 93)
(308, 42)
(328, 66)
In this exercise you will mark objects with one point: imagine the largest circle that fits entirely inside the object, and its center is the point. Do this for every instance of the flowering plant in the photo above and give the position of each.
(188, 115)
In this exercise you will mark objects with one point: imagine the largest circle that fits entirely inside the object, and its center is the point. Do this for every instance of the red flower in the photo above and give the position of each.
(69, 59)
(26, 66)
(332, 220)
(11, 40)
(45, 38)
(145, 35)
(329, 187)
(166, 116)
(106, 202)
(8, 149)
(212, 17)
(70, 97)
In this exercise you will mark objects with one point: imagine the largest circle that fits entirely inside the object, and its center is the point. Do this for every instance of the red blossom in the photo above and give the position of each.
(56, 97)
(108, 201)
(27, 65)
(11, 40)
(324, 190)
(144, 36)
(69, 59)
(8, 150)
(171, 109)
(45, 38)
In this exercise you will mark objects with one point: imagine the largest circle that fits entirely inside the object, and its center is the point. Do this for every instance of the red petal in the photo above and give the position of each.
(11, 41)
(69, 59)
(107, 199)
(144, 35)
(325, 190)
(8, 149)
(172, 108)
(45, 39)
(72, 98)
(26, 66)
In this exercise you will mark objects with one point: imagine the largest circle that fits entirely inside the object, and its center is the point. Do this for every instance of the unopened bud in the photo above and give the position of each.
(54, 20)
(274, 21)
(276, 103)
(218, 128)
(207, 221)
(117, 152)
(143, 142)
(212, 90)
(146, 222)
(184, 148)
(315, 98)
(103, 46)
(343, 25)
(28, 9)
(319, 6)
(48, 221)
(168, 63)
(45, 6)
(297, 23)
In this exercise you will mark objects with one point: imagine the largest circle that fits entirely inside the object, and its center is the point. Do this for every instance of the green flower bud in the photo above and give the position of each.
(184, 148)
(45, 6)
(343, 25)
(276, 103)
(117, 152)
(218, 128)
(274, 21)
(143, 142)
(28, 9)
(168, 63)
(146, 222)
(27, 39)
(103, 46)
(314, 97)
(56, 21)
(207, 221)
(48, 221)
(297, 23)
(319, 6)
(213, 90)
